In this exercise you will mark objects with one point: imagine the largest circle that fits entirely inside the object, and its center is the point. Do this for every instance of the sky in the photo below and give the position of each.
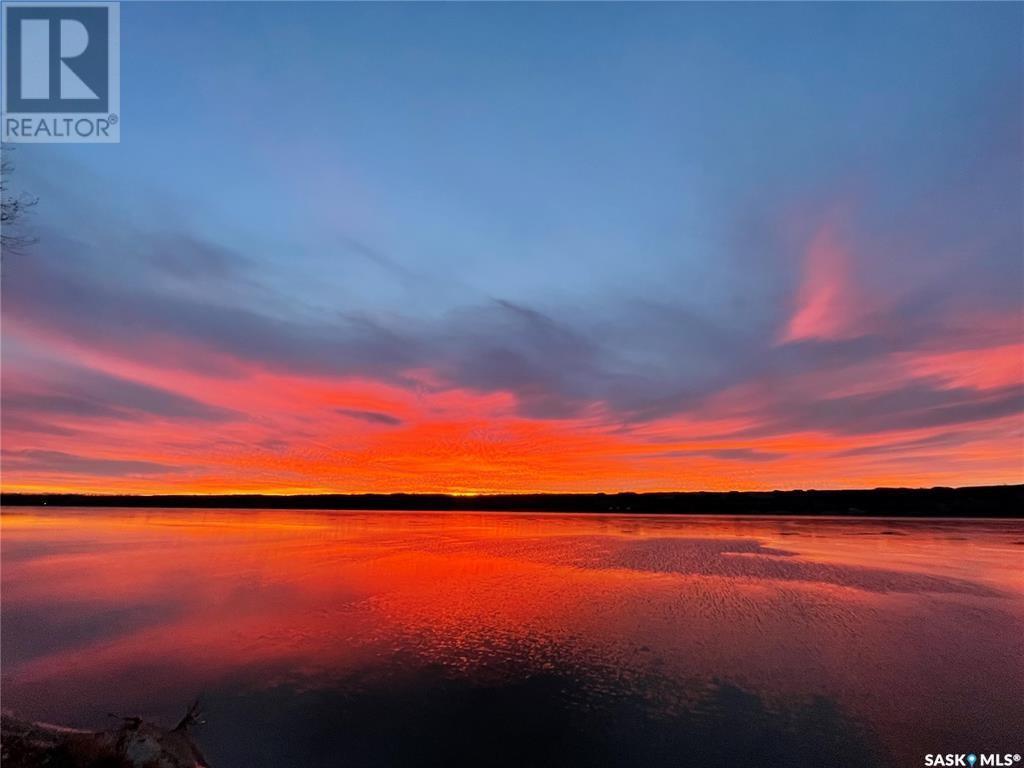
(475, 248)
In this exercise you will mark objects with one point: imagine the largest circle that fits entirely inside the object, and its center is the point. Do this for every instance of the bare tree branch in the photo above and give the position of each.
(13, 208)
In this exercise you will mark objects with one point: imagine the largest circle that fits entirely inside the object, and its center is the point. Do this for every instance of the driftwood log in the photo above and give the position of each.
(134, 743)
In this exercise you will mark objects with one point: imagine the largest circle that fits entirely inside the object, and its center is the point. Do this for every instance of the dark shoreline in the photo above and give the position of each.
(979, 501)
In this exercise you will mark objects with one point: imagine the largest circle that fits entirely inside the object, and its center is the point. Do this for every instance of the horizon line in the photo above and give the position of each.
(505, 494)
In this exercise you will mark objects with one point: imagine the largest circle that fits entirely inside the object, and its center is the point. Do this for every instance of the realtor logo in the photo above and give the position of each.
(61, 72)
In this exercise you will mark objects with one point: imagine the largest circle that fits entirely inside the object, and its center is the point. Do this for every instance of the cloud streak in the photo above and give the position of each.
(370, 417)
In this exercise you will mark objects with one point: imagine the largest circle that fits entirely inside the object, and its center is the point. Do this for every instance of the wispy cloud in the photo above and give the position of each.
(370, 417)
(61, 463)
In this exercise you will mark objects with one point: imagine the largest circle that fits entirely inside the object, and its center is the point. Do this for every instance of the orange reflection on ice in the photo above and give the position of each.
(113, 605)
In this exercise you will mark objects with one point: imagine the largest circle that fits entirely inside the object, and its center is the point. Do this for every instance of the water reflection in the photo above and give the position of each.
(394, 638)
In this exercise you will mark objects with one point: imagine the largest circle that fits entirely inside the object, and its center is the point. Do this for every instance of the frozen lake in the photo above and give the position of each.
(394, 638)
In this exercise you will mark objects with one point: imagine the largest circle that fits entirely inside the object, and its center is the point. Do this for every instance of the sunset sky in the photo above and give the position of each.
(572, 247)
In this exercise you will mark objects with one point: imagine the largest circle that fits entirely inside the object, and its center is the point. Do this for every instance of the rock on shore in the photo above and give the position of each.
(134, 743)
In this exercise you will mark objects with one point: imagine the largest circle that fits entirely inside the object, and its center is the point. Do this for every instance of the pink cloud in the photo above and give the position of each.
(828, 304)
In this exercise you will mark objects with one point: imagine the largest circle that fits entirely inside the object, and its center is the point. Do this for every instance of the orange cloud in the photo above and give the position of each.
(226, 424)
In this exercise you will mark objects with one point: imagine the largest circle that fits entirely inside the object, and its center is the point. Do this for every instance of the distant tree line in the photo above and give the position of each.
(1004, 501)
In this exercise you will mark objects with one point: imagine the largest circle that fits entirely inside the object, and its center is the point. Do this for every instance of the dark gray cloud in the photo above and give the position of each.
(190, 258)
(90, 394)
(19, 423)
(52, 290)
(370, 417)
(729, 454)
(59, 462)
(635, 361)
(912, 406)
(912, 445)
(554, 369)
